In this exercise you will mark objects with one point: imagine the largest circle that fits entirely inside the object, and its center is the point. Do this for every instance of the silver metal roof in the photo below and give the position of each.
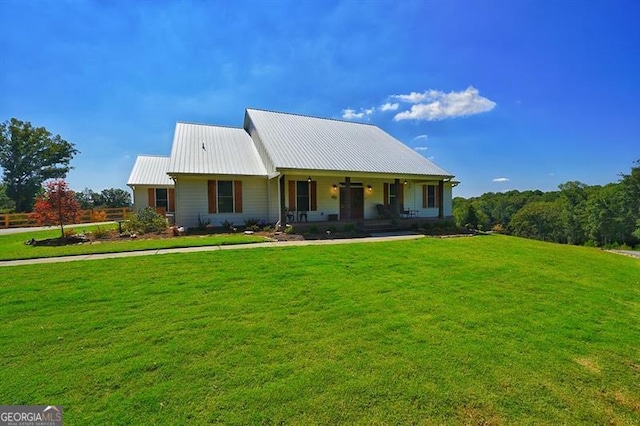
(205, 149)
(150, 170)
(302, 142)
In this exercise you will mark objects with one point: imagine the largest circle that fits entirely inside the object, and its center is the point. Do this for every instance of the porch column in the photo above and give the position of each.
(441, 199)
(347, 198)
(283, 205)
(396, 206)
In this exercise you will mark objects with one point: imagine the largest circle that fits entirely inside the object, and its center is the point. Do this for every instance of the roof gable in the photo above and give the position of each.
(150, 170)
(206, 149)
(303, 142)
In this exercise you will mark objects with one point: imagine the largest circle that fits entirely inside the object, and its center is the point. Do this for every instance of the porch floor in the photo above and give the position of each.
(366, 226)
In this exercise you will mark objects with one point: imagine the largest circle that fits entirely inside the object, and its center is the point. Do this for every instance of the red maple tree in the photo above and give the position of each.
(57, 206)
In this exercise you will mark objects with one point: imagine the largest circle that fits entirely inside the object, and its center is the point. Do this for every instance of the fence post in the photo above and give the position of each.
(6, 220)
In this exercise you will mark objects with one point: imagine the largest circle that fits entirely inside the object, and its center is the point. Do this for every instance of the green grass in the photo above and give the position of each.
(484, 330)
(13, 246)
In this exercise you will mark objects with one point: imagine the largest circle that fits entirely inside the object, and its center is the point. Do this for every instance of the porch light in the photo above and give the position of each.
(335, 187)
(405, 182)
(369, 188)
(309, 179)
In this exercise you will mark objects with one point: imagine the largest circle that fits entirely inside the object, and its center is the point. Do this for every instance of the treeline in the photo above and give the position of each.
(88, 199)
(112, 197)
(577, 213)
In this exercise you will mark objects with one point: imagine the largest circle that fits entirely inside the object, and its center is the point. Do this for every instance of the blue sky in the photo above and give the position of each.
(503, 94)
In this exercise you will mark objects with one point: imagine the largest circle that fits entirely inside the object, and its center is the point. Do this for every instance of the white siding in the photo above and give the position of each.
(141, 195)
(192, 199)
(274, 203)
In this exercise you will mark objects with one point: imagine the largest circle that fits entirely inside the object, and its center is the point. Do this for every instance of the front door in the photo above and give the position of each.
(357, 203)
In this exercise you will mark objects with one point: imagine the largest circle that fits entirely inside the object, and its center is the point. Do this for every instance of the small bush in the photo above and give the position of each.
(332, 229)
(313, 229)
(146, 220)
(99, 216)
(227, 225)
(289, 230)
(101, 233)
(253, 224)
(498, 228)
(350, 227)
(69, 232)
(202, 224)
(268, 228)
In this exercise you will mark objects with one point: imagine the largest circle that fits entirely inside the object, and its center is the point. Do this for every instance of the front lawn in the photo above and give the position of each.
(483, 330)
(13, 246)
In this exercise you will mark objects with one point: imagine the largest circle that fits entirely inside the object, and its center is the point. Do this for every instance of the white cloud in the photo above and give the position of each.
(435, 105)
(351, 114)
(421, 148)
(420, 137)
(501, 179)
(415, 97)
(389, 106)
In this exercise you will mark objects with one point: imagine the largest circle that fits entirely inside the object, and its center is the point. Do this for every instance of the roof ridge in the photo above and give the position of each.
(311, 116)
(209, 125)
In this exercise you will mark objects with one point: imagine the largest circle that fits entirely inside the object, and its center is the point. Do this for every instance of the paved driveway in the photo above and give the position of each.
(627, 253)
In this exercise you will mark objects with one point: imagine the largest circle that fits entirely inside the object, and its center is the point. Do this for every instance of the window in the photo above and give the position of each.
(162, 198)
(224, 196)
(392, 194)
(302, 195)
(430, 196)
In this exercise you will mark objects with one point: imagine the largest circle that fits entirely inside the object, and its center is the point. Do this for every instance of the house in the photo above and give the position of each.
(151, 185)
(288, 167)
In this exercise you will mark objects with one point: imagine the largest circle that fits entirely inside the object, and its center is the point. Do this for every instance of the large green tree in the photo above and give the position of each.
(29, 156)
(114, 197)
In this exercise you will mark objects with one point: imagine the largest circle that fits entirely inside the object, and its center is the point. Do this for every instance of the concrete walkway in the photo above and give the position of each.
(7, 231)
(208, 248)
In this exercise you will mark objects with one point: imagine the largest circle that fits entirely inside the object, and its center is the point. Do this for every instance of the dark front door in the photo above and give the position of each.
(356, 202)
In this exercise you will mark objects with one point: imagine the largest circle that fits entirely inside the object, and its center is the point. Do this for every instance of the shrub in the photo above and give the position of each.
(100, 233)
(498, 228)
(227, 225)
(202, 224)
(253, 224)
(289, 230)
(313, 229)
(146, 220)
(99, 216)
(350, 227)
(70, 232)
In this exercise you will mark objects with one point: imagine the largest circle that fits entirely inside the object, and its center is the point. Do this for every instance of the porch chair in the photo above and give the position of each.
(383, 211)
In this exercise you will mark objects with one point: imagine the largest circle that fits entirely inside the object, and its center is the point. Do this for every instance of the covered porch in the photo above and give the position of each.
(317, 197)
